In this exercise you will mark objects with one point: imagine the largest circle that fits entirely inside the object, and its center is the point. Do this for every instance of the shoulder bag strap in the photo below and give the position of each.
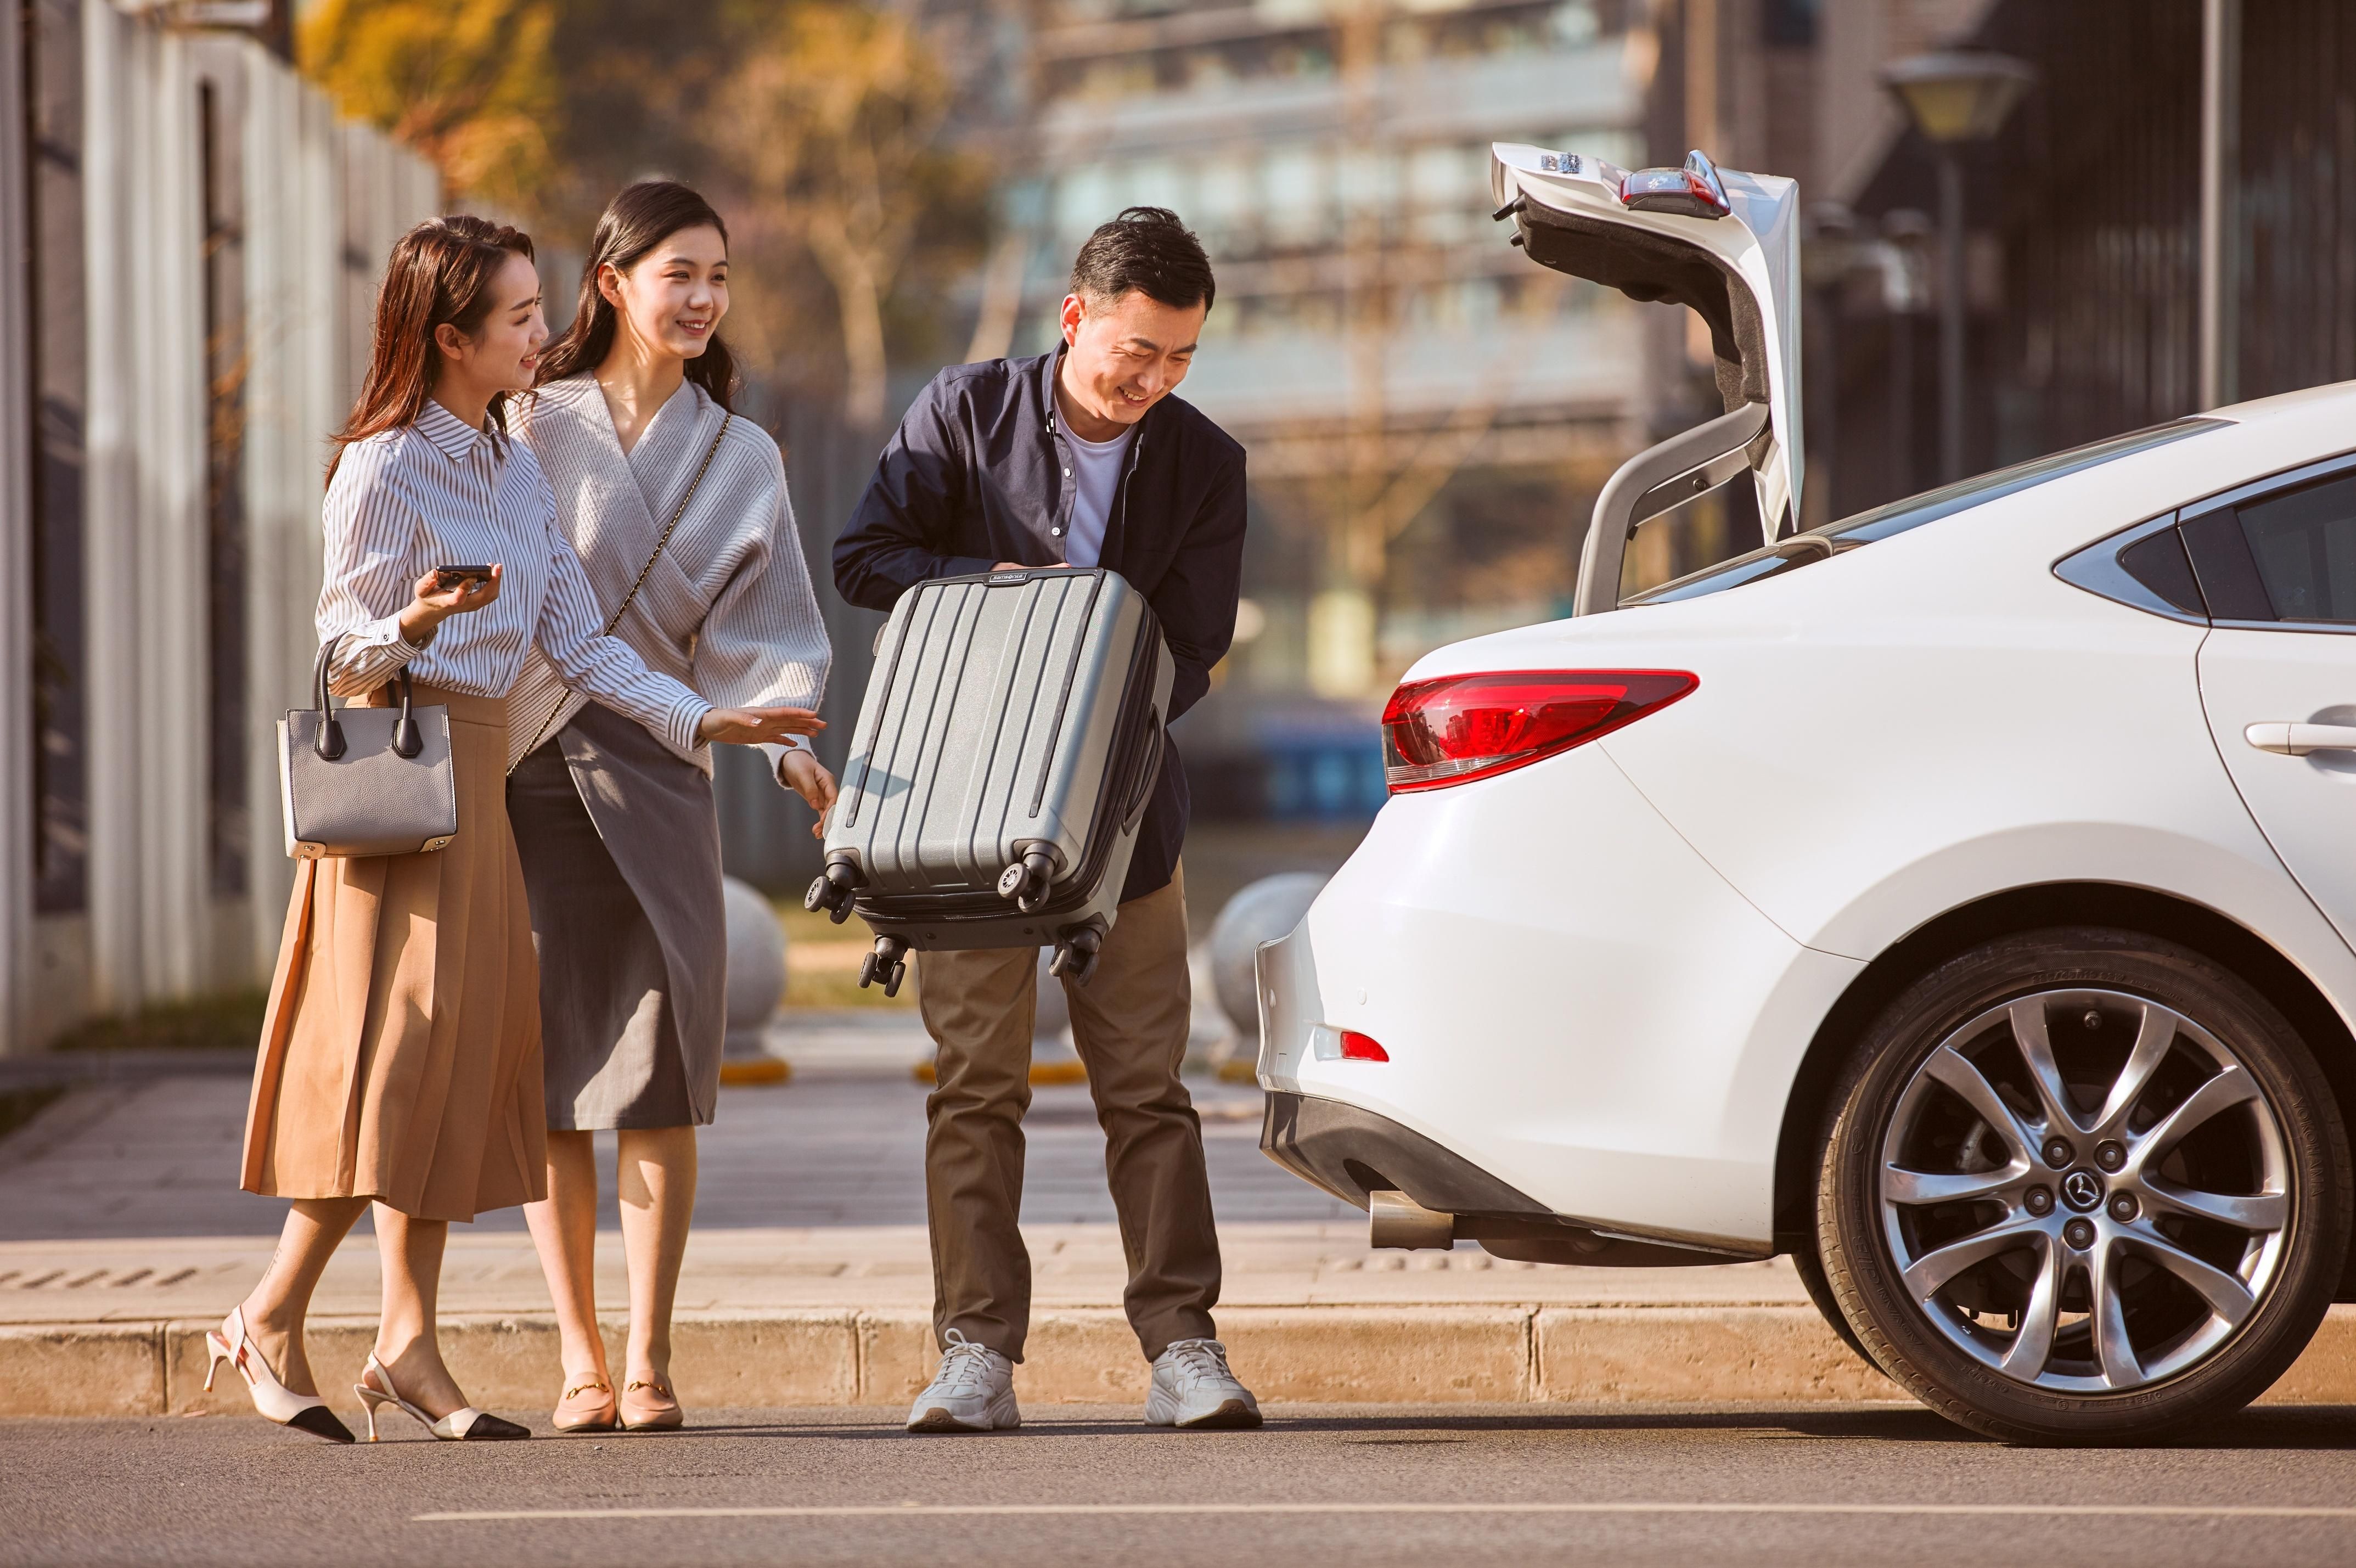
(669, 529)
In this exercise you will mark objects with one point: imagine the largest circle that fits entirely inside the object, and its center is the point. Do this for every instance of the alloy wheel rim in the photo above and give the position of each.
(2085, 1191)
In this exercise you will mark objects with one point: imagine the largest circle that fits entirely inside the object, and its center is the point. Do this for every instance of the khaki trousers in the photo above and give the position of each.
(1129, 1023)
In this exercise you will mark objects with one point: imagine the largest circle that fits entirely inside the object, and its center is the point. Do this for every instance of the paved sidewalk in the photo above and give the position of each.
(159, 1157)
(807, 1278)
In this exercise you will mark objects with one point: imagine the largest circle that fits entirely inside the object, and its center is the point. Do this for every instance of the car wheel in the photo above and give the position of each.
(2084, 1185)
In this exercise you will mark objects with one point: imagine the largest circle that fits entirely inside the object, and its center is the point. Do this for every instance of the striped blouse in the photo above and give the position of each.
(727, 607)
(437, 493)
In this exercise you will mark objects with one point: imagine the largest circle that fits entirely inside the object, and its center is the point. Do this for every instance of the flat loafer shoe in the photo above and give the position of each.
(586, 1407)
(659, 1413)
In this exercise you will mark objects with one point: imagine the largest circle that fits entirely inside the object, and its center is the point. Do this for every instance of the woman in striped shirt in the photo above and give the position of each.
(678, 509)
(400, 1059)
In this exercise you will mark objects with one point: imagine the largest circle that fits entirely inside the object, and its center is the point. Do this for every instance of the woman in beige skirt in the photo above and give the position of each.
(400, 1059)
(678, 509)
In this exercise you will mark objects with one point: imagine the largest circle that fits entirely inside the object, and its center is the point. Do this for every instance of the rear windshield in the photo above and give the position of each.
(1835, 538)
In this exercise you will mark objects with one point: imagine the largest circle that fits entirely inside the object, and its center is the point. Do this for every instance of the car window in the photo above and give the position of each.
(2303, 543)
(1850, 533)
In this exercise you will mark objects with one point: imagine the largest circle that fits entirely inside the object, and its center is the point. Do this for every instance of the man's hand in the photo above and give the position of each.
(807, 776)
(751, 727)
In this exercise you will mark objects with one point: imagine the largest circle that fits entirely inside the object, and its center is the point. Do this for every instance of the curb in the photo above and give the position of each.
(1372, 1355)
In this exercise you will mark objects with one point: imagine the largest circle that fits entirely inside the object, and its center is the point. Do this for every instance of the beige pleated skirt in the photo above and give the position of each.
(399, 1055)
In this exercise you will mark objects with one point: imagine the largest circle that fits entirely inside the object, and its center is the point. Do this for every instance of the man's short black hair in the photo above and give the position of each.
(1145, 248)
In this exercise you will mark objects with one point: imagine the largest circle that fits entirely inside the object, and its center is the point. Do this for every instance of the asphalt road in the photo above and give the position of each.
(1086, 1484)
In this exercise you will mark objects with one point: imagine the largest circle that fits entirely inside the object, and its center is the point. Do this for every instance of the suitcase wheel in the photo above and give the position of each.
(832, 892)
(1026, 881)
(1076, 957)
(886, 966)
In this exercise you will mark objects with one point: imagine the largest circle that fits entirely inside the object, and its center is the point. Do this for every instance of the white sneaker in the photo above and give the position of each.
(1192, 1388)
(973, 1392)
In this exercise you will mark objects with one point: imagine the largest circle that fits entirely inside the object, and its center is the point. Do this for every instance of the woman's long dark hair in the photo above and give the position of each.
(441, 274)
(642, 217)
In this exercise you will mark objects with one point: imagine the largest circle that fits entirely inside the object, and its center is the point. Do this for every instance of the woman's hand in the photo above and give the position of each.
(751, 727)
(435, 602)
(807, 776)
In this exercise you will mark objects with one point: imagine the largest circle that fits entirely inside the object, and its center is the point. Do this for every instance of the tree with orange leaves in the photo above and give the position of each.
(817, 124)
(831, 120)
(470, 83)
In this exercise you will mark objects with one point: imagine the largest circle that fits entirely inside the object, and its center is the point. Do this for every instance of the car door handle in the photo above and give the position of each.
(2298, 740)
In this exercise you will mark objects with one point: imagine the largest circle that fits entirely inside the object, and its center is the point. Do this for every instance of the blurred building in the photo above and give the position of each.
(189, 243)
(1429, 416)
(2083, 215)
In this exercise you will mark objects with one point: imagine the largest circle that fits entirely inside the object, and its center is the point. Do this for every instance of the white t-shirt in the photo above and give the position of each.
(1096, 478)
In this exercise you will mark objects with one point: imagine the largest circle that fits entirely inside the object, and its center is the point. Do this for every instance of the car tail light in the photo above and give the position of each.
(1693, 190)
(1462, 727)
(1358, 1048)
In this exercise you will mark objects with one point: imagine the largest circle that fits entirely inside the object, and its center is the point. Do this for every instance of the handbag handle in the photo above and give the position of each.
(407, 741)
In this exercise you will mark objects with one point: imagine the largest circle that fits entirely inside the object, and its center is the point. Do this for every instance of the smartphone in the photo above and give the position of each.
(449, 577)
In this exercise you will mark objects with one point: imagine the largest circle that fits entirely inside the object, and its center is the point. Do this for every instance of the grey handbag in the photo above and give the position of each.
(358, 782)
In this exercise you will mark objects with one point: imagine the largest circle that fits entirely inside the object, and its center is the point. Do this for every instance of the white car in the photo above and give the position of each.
(1958, 897)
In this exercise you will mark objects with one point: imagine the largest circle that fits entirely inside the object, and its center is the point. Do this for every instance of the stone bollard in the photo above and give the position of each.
(756, 984)
(1262, 912)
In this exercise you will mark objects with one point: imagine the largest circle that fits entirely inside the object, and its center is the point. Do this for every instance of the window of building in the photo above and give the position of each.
(1789, 24)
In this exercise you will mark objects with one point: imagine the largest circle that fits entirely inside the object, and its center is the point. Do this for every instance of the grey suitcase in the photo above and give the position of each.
(1007, 746)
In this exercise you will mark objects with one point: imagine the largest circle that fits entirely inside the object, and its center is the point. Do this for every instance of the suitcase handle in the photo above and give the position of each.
(1146, 776)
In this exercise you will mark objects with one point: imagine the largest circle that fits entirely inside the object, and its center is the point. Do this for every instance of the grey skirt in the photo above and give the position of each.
(620, 844)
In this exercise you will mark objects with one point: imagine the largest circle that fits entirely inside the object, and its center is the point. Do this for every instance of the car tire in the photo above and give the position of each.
(1809, 1264)
(2198, 1238)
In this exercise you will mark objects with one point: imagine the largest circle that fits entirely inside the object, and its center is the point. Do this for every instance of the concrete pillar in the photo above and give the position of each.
(2221, 157)
(291, 396)
(150, 931)
(16, 560)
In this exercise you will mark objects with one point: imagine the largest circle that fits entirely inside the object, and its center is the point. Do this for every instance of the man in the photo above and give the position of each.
(1081, 457)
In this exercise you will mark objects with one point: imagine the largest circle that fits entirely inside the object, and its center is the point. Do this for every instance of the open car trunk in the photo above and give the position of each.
(1724, 244)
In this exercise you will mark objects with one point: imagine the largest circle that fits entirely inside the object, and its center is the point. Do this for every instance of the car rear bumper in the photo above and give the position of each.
(1353, 1154)
(1573, 1004)
(1350, 1152)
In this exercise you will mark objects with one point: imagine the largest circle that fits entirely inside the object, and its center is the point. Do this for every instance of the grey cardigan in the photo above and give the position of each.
(727, 610)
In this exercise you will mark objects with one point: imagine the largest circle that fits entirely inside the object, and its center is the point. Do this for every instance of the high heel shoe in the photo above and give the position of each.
(465, 1424)
(272, 1399)
(659, 1413)
(574, 1414)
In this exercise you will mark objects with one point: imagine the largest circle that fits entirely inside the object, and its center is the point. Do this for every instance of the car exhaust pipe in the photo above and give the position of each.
(1395, 1219)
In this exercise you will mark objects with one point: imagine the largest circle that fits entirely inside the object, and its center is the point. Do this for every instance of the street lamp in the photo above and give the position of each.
(1954, 96)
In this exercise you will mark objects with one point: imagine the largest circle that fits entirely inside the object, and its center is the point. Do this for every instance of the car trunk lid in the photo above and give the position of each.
(1722, 242)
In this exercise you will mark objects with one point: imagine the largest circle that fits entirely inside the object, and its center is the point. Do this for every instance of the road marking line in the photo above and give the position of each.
(1025, 1510)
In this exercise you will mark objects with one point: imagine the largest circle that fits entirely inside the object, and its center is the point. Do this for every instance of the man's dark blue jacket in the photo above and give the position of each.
(979, 473)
